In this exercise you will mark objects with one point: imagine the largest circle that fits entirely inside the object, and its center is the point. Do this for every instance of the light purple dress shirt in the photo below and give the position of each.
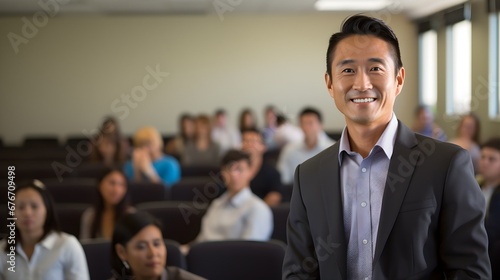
(363, 182)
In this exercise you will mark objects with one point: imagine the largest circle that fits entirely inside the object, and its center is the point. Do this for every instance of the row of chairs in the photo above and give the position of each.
(31, 168)
(52, 141)
(221, 260)
(83, 190)
(181, 219)
(73, 140)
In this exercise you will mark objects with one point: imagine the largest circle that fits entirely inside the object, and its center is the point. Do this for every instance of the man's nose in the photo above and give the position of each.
(362, 82)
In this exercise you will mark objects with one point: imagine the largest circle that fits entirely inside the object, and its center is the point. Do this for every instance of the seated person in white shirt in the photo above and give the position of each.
(36, 249)
(315, 141)
(238, 213)
(227, 136)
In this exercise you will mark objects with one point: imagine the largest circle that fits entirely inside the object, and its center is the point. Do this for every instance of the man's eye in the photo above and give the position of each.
(376, 68)
(347, 71)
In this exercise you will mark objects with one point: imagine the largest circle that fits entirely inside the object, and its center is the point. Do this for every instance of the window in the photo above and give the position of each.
(428, 68)
(458, 64)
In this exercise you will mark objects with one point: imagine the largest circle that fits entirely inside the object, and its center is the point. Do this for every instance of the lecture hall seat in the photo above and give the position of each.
(280, 217)
(98, 254)
(242, 260)
(181, 220)
(69, 216)
(192, 188)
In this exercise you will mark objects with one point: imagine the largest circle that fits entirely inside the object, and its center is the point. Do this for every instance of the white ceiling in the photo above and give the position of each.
(412, 8)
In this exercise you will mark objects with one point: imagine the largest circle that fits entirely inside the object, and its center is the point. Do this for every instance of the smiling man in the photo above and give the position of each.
(383, 202)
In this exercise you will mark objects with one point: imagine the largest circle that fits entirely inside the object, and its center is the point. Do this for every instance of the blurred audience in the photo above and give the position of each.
(187, 131)
(227, 136)
(247, 120)
(148, 163)
(468, 132)
(238, 213)
(139, 251)
(489, 168)
(112, 203)
(41, 250)
(109, 146)
(315, 141)
(266, 181)
(424, 124)
(203, 151)
(286, 132)
(270, 126)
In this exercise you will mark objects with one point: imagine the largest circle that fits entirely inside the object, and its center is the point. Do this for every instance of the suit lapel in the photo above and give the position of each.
(332, 200)
(401, 169)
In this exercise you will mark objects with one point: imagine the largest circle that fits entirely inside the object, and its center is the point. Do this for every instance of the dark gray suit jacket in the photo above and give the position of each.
(431, 222)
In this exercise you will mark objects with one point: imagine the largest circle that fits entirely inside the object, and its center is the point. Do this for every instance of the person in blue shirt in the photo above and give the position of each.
(148, 163)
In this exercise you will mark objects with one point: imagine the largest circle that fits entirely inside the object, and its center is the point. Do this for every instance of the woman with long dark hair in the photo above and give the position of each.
(111, 204)
(109, 146)
(41, 251)
(468, 132)
(247, 120)
(175, 147)
(138, 250)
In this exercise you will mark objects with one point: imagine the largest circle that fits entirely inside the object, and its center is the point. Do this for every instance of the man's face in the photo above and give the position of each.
(310, 124)
(252, 143)
(220, 120)
(363, 83)
(237, 175)
(489, 164)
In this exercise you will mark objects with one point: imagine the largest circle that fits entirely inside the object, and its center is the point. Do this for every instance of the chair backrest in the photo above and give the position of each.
(280, 217)
(90, 169)
(3, 215)
(174, 255)
(242, 260)
(199, 171)
(74, 141)
(72, 190)
(147, 192)
(29, 169)
(202, 189)
(69, 216)
(41, 141)
(286, 192)
(28, 154)
(181, 219)
(98, 253)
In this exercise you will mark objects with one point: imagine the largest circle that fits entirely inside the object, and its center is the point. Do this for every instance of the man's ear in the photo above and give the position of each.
(120, 251)
(400, 80)
(328, 82)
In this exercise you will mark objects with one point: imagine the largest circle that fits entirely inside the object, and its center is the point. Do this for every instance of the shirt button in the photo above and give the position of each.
(363, 204)
(363, 170)
(365, 241)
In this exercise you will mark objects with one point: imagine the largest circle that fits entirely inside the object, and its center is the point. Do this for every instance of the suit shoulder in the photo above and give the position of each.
(437, 147)
(319, 158)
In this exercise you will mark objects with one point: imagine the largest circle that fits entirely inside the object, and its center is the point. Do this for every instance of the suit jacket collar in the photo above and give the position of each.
(332, 200)
(401, 169)
(399, 176)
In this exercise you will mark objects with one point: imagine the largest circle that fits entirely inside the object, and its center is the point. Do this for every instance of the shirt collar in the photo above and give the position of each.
(239, 198)
(386, 140)
(164, 275)
(49, 241)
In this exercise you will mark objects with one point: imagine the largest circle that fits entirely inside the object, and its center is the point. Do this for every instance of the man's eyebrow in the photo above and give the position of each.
(377, 60)
(344, 62)
(350, 61)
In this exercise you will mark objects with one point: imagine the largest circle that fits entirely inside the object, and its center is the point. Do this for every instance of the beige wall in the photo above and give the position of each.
(76, 69)
(481, 84)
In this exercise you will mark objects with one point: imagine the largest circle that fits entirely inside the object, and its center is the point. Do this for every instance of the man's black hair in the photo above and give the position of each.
(364, 25)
